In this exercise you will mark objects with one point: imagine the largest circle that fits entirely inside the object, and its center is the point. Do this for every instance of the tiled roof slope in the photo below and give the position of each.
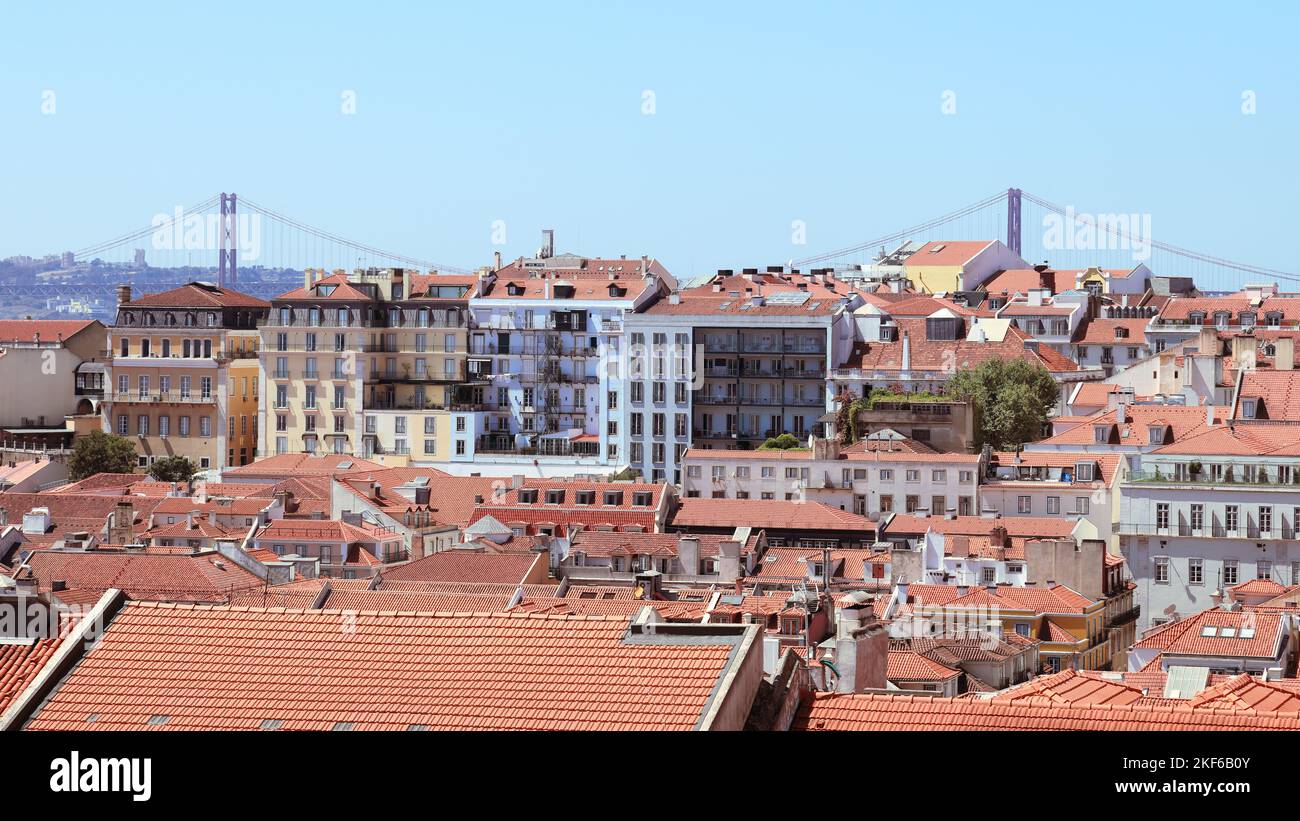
(464, 566)
(194, 295)
(221, 668)
(19, 663)
(201, 577)
(826, 711)
(766, 513)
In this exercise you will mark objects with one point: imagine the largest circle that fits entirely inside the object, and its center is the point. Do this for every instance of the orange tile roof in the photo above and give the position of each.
(465, 566)
(1102, 332)
(387, 671)
(24, 330)
(1279, 390)
(827, 711)
(1020, 280)
(194, 577)
(946, 354)
(1183, 421)
(909, 665)
(195, 295)
(1249, 694)
(1239, 439)
(768, 514)
(736, 294)
(285, 465)
(1184, 637)
(1054, 599)
(1070, 687)
(20, 662)
(946, 253)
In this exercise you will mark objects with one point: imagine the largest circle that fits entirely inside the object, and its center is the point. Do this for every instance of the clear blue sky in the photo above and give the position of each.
(532, 113)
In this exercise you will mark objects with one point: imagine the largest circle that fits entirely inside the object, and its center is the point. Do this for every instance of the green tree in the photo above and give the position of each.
(100, 452)
(173, 469)
(786, 441)
(1012, 399)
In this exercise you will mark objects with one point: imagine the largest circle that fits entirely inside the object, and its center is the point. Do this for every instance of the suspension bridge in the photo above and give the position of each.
(1042, 231)
(262, 251)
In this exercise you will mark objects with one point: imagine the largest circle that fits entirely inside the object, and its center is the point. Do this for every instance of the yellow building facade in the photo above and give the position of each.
(369, 364)
(183, 374)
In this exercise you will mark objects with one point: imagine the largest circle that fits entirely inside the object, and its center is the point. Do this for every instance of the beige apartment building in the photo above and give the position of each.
(369, 365)
(183, 379)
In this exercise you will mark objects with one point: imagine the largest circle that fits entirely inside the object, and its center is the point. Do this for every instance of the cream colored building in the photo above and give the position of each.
(369, 365)
(184, 379)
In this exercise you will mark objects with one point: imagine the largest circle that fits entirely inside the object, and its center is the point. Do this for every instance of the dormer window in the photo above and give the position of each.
(1273, 319)
(1101, 433)
(1248, 320)
(1196, 318)
(514, 289)
(614, 497)
(1248, 408)
(1221, 319)
(1084, 472)
(641, 498)
(1121, 333)
(528, 496)
(585, 497)
(555, 497)
(1158, 434)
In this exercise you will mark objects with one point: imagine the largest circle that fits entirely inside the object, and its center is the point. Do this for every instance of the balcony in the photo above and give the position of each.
(1208, 531)
(168, 397)
(1206, 480)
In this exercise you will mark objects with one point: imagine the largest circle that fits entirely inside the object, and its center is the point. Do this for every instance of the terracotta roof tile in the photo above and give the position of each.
(385, 671)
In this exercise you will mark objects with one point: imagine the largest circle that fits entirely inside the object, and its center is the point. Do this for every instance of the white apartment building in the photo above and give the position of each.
(1047, 319)
(1060, 484)
(1211, 511)
(547, 344)
(731, 363)
(882, 474)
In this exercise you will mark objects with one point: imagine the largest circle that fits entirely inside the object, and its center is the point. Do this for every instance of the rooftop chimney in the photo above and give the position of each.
(907, 352)
(1283, 353)
(123, 294)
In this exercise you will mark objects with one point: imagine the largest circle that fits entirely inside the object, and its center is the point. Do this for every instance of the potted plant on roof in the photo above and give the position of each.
(1195, 469)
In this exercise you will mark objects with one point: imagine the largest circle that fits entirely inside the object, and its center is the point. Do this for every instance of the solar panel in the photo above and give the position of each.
(788, 298)
(1185, 682)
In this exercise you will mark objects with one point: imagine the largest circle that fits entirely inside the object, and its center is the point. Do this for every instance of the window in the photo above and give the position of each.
(886, 475)
(1162, 570)
(1162, 515)
(1198, 517)
(1024, 504)
(939, 476)
(1264, 569)
(1081, 505)
(1265, 519)
(1195, 571)
(914, 476)
(1053, 504)
(1230, 571)
(1229, 517)
(886, 503)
